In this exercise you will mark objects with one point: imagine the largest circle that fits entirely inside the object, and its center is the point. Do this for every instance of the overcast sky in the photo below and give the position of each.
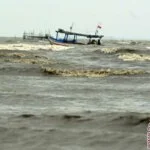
(119, 18)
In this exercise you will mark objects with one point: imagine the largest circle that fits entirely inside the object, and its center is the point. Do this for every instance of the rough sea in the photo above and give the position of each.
(83, 97)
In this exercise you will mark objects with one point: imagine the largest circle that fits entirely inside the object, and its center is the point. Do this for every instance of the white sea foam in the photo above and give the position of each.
(148, 47)
(59, 48)
(124, 42)
(134, 57)
(29, 47)
(110, 50)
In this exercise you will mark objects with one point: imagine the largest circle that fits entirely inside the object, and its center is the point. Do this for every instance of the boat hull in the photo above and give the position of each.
(63, 42)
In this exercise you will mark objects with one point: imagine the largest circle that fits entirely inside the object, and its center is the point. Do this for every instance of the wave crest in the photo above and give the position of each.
(29, 47)
(117, 50)
(134, 57)
(91, 73)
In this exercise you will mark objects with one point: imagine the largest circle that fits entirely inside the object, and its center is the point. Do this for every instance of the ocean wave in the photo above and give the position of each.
(132, 119)
(126, 118)
(29, 47)
(14, 55)
(23, 57)
(117, 50)
(122, 117)
(128, 42)
(109, 131)
(148, 47)
(27, 116)
(92, 73)
(134, 57)
(29, 61)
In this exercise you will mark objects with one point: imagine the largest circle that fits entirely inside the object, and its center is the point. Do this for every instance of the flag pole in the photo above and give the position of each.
(71, 27)
(96, 31)
(98, 27)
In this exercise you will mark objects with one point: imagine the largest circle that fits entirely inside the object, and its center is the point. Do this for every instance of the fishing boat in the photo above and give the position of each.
(72, 38)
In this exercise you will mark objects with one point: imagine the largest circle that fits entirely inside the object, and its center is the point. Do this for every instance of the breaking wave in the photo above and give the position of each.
(132, 119)
(128, 54)
(134, 57)
(126, 42)
(20, 57)
(92, 73)
(29, 47)
(117, 50)
(148, 47)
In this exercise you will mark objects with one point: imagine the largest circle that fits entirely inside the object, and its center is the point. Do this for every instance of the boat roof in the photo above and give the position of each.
(78, 34)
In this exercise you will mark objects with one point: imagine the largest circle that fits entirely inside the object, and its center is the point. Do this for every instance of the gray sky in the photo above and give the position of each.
(119, 18)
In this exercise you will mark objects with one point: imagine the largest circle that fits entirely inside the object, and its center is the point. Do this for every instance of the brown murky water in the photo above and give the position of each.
(84, 98)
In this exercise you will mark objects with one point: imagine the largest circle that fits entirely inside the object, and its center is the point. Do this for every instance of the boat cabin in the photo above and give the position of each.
(92, 39)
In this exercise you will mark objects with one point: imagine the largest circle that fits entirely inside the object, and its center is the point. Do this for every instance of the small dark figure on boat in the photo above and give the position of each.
(93, 41)
(89, 42)
(99, 42)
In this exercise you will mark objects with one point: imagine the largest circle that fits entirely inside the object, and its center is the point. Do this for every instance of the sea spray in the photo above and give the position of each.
(30, 47)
